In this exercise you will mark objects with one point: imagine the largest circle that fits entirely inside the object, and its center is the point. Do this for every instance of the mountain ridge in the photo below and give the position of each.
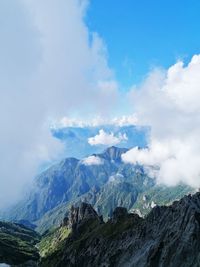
(167, 237)
(106, 185)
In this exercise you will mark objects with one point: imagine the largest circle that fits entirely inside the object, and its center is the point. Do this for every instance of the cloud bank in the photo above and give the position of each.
(168, 101)
(51, 65)
(92, 160)
(106, 139)
(126, 120)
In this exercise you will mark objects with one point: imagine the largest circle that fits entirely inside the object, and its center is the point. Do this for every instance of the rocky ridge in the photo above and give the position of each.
(79, 215)
(167, 237)
(106, 186)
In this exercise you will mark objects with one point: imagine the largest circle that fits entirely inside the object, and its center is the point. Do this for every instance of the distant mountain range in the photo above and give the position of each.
(102, 180)
(76, 139)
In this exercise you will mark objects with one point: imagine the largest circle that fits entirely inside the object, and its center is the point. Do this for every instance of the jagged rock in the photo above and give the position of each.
(113, 153)
(65, 221)
(167, 237)
(119, 213)
(81, 214)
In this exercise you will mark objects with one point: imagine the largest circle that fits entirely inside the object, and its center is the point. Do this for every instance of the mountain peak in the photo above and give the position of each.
(113, 153)
(81, 214)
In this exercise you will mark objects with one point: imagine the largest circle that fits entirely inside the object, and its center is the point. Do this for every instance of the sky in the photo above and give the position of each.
(142, 34)
(62, 60)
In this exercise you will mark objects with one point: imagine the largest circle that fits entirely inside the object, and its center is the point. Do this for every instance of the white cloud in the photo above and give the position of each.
(97, 121)
(107, 139)
(92, 160)
(154, 155)
(169, 103)
(51, 65)
(125, 120)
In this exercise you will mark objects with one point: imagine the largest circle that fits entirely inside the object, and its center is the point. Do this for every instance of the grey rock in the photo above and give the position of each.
(167, 237)
(81, 214)
(119, 213)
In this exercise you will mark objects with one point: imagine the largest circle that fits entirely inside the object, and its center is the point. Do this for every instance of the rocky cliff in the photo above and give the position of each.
(167, 237)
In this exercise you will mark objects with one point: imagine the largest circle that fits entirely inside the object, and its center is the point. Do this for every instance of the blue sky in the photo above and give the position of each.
(142, 34)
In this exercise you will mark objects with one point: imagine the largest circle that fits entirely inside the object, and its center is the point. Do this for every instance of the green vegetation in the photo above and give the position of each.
(53, 241)
(160, 195)
(112, 230)
(89, 232)
(17, 243)
(52, 218)
(115, 194)
(104, 186)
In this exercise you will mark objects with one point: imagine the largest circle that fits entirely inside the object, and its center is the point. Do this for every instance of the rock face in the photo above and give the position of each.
(119, 214)
(167, 237)
(80, 215)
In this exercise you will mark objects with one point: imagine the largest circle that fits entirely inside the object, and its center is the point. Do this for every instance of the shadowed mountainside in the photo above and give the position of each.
(17, 244)
(167, 237)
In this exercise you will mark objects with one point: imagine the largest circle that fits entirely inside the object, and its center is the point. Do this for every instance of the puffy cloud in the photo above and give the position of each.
(107, 139)
(49, 58)
(154, 155)
(168, 101)
(92, 160)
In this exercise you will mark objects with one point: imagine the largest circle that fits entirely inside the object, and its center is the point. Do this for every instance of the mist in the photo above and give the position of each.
(51, 66)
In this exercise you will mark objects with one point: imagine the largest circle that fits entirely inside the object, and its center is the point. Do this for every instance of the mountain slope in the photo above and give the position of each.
(17, 243)
(106, 186)
(160, 195)
(64, 182)
(167, 237)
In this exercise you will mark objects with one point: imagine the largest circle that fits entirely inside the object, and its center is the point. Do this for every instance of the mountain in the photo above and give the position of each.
(76, 142)
(105, 186)
(66, 181)
(167, 237)
(160, 195)
(17, 244)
